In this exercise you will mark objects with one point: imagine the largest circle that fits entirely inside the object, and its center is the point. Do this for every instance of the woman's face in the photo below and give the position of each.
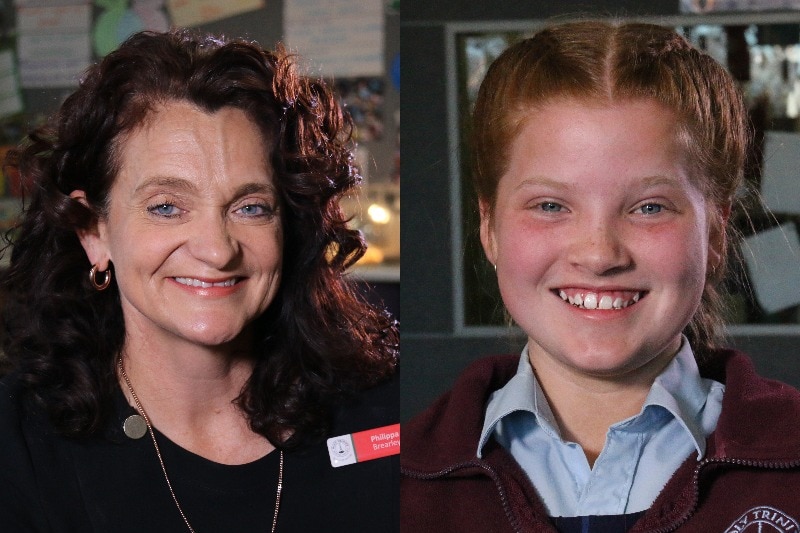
(193, 227)
(600, 239)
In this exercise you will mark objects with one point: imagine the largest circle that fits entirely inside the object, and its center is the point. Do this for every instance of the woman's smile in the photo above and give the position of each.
(194, 282)
(193, 230)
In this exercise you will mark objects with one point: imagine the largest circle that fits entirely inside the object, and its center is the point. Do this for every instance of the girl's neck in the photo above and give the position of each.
(584, 416)
(586, 406)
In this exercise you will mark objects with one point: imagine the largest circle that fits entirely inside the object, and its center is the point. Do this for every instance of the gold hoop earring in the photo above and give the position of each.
(713, 270)
(93, 278)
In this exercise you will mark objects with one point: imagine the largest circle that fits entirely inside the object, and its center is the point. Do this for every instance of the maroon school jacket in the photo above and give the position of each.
(748, 482)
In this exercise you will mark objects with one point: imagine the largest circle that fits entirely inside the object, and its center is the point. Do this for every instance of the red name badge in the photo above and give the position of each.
(364, 445)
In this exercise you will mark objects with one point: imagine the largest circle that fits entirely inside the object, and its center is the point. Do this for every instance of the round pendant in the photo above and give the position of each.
(135, 427)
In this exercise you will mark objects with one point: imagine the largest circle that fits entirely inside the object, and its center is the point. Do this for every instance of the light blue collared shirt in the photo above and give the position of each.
(640, 453)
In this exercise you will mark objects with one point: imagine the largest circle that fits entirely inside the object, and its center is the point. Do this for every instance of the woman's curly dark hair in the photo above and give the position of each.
(317, 342)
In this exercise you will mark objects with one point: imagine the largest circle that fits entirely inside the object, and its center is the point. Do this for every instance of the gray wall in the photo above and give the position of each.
(433, 352)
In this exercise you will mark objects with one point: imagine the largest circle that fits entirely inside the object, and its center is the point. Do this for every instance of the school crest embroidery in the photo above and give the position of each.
(764, 520)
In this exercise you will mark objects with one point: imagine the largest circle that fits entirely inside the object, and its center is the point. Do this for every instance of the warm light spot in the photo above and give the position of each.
(379, 214)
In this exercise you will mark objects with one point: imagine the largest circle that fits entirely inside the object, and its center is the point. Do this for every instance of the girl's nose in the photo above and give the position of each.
(600, 249)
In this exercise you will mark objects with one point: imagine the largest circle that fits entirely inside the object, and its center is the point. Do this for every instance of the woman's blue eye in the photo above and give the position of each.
(650, 209)
(164, 210)
(255, 210)
(550, 207)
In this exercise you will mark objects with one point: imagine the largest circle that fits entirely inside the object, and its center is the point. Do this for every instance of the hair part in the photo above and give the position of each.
(605, 63)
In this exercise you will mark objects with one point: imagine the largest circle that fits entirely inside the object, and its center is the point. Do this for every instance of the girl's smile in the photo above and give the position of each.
(600, 237)
(600, 298)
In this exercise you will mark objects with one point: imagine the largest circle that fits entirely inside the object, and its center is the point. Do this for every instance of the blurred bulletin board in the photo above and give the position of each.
(109, 21)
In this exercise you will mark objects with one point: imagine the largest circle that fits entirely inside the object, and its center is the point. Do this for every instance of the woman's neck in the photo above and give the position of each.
(189, 392)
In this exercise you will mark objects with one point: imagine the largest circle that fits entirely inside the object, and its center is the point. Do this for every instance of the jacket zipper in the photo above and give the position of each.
(668, 529)
(473, 464)
(720, 461)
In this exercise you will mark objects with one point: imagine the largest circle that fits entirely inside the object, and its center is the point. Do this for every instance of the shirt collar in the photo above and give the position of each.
(679, 390)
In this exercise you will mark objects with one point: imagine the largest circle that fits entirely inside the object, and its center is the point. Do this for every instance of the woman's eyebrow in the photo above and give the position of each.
(169, 182)
(254, 188)
(184, 185)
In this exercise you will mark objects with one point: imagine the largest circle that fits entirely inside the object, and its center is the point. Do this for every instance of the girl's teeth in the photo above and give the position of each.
(591, 300)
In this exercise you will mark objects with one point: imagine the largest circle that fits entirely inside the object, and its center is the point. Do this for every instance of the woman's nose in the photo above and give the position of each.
(213, 243)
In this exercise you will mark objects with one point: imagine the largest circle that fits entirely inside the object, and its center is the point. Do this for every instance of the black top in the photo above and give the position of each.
(111, 483)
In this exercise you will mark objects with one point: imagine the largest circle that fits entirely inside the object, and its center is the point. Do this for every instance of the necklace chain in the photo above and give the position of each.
(143, 414)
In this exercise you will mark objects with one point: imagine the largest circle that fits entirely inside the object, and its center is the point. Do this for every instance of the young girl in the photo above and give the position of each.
(606, 160)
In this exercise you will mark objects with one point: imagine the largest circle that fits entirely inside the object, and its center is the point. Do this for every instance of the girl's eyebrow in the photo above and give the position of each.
(672, 182)
(646, 182)
(542, 181)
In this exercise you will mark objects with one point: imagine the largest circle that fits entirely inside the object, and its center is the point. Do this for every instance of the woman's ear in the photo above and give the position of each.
(487, 232)
(93, 239)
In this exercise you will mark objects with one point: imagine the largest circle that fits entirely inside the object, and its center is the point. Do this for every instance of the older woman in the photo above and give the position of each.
(181, 335)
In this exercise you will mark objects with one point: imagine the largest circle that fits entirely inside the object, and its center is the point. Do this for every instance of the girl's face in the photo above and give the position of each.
(601, 240)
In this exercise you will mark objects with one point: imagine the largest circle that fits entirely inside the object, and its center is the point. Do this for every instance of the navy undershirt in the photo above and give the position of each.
(596, 524)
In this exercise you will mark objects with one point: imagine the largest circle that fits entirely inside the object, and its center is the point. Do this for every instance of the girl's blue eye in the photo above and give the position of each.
(550, 207)
(650, 209)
